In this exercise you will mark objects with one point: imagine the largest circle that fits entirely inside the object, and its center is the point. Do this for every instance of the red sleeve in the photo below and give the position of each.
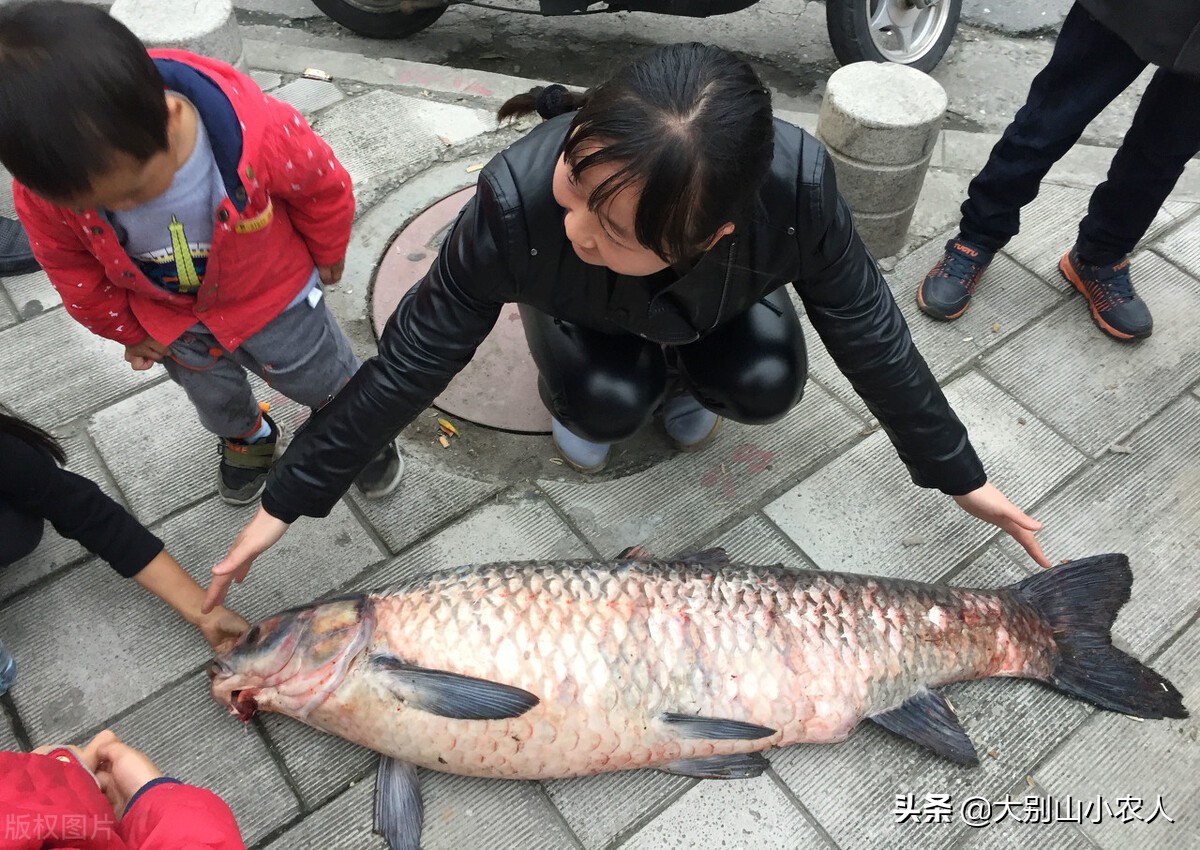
(88, 296)
(48, 802)
(172, 816)
(306, 174)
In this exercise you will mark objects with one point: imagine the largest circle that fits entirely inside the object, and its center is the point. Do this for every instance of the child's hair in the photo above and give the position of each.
(688, 124)
(31, 434)
(76, 86)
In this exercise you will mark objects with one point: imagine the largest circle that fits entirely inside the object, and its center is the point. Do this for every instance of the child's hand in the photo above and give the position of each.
(122, 772)
(331, 274)
(88, 755)
(145, 354)
(222, 627)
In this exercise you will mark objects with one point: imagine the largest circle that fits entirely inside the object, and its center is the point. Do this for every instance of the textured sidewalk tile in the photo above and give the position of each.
(215, 752)
(520, 528)
(1050, 224)
(755, 541)
(32, 294)
(159, 452)
(1113, 757)
(8, 318)
(851, 788)
(1147, 505)
(8, 738)
(266, 80)
(862, 513)
(309, 96)
(55, 551)
(382, 132)
(680, 499)
(428, 498)
(460, 813)
(1004, 822)
(55, 389)
(1181, 247)
(1092, 389)
(322, 765)
(750, 814)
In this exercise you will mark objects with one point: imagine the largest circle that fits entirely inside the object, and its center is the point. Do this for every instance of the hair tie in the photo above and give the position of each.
(549, 102)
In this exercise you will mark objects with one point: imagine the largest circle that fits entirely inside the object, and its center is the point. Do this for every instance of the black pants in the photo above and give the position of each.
(20, 533)
(1090, 66)
(605, 387)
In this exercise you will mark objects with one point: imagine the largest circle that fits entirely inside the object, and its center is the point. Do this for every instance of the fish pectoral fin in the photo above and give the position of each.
(713, 557)
(928, 719)
(737, 766)
(451, 695)
(714, 728)
(399, 810)
(635, 553)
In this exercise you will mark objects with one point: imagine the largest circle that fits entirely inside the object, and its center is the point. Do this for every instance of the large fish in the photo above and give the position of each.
(692, 665)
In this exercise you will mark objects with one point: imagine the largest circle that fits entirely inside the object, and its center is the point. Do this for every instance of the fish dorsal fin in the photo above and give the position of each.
(635, 553)
(927, 718)
(713, 557)
(399, 810)
(714, 728)
(450, 694)
(736, 766)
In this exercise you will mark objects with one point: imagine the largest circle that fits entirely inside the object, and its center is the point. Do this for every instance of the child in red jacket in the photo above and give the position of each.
(186, 215)
(106, 796)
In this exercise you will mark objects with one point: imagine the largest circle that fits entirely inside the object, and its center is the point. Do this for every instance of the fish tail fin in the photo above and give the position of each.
(1080, 601)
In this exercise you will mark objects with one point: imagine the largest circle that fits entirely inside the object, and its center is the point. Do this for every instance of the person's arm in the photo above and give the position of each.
(87, 294)
(850, 306)
(433, 333)
(169, 582)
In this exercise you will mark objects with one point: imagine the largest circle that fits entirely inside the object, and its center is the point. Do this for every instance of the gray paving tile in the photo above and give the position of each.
(1005, 823)
(851, 788)
(520, 527)
(31, 293)
(8, 317)
(1113, 757)
(1182, 246)
(381, 132)
(8, 738)
(216, 752)
(266, 80)
(428, 497)
(1050, 224)
(756, 541)
(600, 809)
(53, 390)
(862, 513)
(1092, 389)
(747, 814)
(680, 499)
(55, 551)
(309, 96)
(459, 813)
(1147, 505)
(322, 765)
(159, 452)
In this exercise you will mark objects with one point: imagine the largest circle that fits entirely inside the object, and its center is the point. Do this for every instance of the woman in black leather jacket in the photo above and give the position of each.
(658, 225)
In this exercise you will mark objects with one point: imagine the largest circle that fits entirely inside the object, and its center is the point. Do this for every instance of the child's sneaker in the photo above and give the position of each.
(244, 466)
(689, 423)
(946, 292)
(1115, 307)
(382, 475)
(579, 454)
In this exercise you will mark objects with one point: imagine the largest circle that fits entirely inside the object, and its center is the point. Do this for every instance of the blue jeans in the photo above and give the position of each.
(1090, 66)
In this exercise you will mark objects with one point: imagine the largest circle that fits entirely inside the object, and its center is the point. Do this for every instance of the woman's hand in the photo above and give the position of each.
(222, 628)
(259, 535)
(990, 505)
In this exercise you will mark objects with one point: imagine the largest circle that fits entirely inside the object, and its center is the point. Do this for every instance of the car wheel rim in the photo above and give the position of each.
(903, 31)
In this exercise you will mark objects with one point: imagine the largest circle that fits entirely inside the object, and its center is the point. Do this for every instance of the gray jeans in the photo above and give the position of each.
(302, 353)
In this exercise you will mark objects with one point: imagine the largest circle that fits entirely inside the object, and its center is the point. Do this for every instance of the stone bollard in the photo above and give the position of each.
(206, 27)
(880, 122)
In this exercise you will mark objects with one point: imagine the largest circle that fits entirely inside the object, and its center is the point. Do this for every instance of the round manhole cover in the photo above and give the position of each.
(498, 388)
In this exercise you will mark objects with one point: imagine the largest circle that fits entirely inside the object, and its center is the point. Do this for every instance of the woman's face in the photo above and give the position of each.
(605, 237)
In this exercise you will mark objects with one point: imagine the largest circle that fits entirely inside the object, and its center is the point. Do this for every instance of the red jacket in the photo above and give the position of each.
(289, 206)
(52, 802)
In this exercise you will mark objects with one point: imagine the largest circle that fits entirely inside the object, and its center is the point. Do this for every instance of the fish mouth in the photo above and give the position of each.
(243, 704)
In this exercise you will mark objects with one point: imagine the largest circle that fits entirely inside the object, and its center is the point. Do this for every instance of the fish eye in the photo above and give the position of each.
(253, 635)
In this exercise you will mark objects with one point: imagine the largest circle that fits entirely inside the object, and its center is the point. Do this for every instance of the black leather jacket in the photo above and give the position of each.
(509, 245)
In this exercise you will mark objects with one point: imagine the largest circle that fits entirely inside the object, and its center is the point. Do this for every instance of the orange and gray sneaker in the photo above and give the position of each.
(244, 466)
(946, 291)
(1115, 307)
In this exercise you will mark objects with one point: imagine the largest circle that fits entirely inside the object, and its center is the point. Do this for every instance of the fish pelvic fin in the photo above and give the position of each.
(399, 809)
(635, 553)
(737, 766)
(928, 719)
(1080, 601)
(450, 694)
(714, 728)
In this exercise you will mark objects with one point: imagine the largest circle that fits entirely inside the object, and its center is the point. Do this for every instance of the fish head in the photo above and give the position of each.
(290, 662)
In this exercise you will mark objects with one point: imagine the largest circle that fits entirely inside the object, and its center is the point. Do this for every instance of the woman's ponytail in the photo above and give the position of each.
(546, 101)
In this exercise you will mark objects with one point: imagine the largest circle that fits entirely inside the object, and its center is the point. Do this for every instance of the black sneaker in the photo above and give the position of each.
(946, 292)
(382, 475)
(1115, 307)
(244, 466)
(15, 255)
